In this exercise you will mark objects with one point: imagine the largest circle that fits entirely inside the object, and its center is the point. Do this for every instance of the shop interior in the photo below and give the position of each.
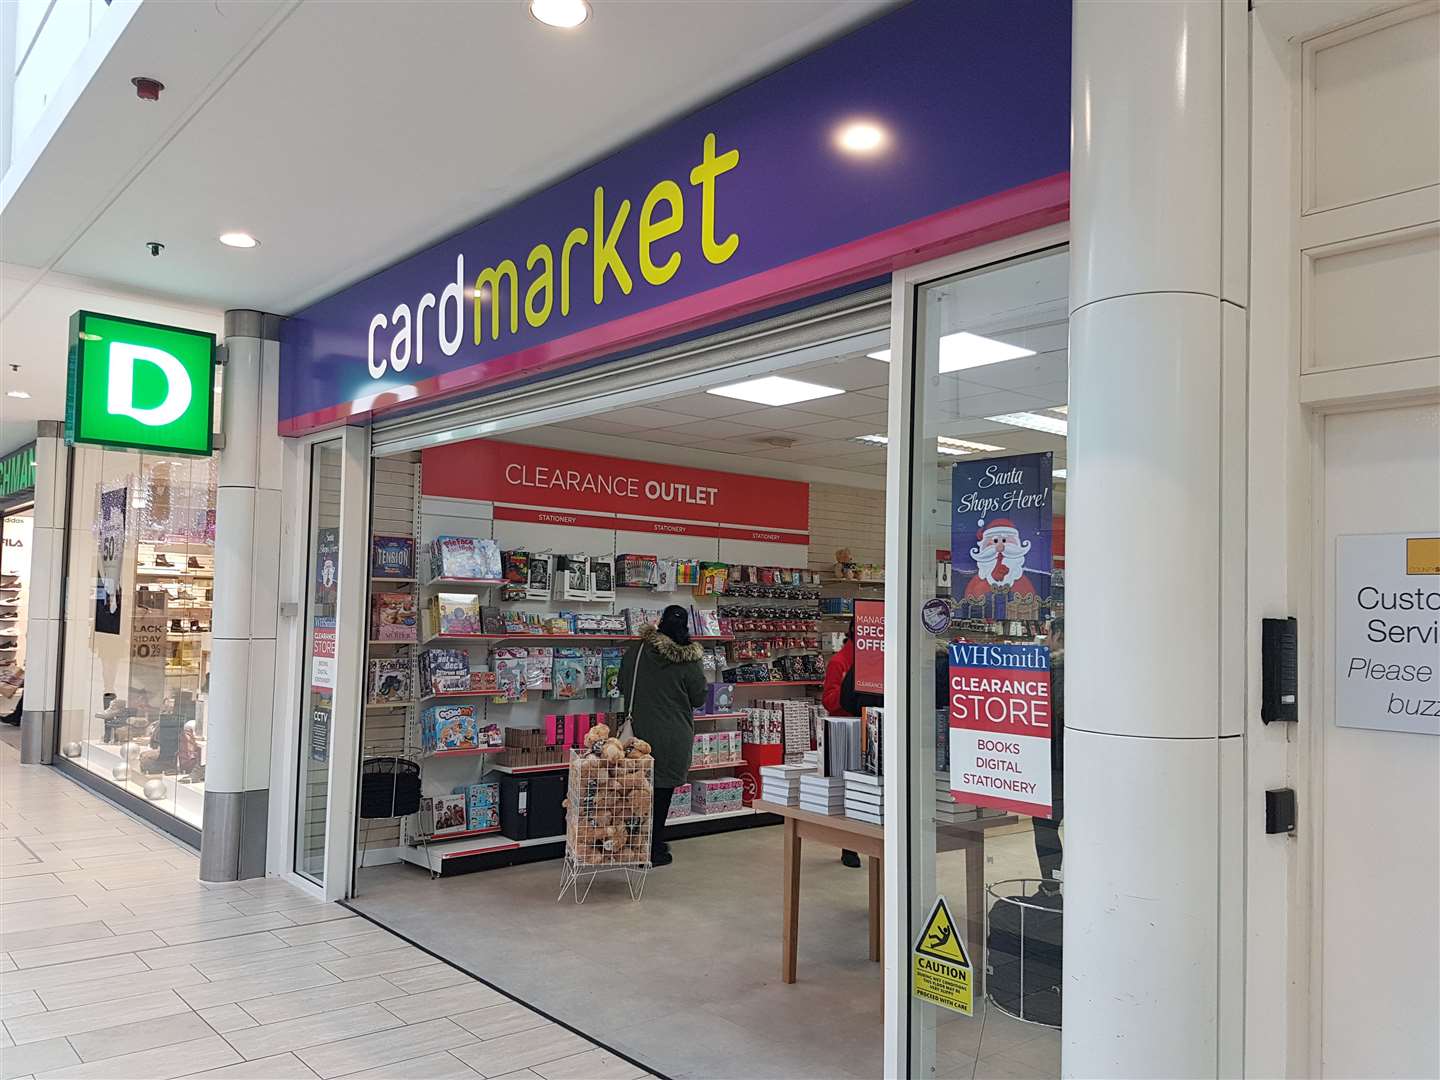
(136, 660)
(16, 542)
(680, 968)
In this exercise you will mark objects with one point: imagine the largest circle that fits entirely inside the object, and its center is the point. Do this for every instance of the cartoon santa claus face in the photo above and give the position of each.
(1000, 554)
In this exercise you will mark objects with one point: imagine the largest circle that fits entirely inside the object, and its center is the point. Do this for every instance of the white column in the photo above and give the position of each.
(247, 572)
(1155, 535)
(44, 619)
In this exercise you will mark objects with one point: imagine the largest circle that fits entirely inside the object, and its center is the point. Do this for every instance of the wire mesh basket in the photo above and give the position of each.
(389, 787)
(1023, 953)
(610, 821)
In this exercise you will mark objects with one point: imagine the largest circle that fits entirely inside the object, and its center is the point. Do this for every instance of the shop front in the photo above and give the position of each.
(744, 368)
(17, 527)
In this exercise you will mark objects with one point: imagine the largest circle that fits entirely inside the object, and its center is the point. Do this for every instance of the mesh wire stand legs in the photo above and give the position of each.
(609, 824)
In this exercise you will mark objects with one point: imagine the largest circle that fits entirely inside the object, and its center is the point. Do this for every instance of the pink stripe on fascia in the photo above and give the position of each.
(995, 217)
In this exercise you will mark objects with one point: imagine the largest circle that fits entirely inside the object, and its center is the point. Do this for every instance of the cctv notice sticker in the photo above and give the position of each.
(1387, 632)
(940, 967)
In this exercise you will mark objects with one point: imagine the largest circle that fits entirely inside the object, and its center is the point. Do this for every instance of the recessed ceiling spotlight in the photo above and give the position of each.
(861, 137)
(1051, 425)
(966, 350)
(564, 14)
(17, 394)
(238, 240)
(774, 390)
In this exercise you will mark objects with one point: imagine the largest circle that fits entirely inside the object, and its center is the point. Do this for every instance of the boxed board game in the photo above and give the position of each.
(392, 557)
(716, 796)
(392, 617)
(451, 815)
(444, 671)
(465, 558)
(448, 727)
(456, 613)
(390, 682)
(679, 803)
(568, 673)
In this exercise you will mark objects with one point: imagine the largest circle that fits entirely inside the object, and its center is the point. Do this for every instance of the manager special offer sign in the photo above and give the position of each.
(1000, 728)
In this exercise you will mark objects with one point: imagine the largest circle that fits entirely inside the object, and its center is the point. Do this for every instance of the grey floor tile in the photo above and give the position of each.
(130, 1036)
(43, 978)
(55, 935)
(169, 916)
(311, 1030)
(162, 1063)
(384, 1048)
(258, 905)
(413, 1008)
(143, 981)
(441, 1066)
(354, 967)
(521, 1074)
(324, 913)
(247, 946)
(299, 1003)
(366, 944)
(223, 928)
(227, 1018)
(497, 1020)
(237, 966)
(430, 976)
(83, 1018)
(6, 964)
(524, 1050)
(36, 1057)
(279, 980)
(15, 1003)
(84, 950)
(327, 930)
(590, 1065)
(276, 1067)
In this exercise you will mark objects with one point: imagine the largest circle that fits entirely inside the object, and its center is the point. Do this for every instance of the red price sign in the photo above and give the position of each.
(870, 646)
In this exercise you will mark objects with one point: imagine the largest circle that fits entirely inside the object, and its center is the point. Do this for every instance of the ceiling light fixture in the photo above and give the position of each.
(861, 137)
(17, 394)
(1059, 474)
(1051, 425)
(238, 240)
(562, 14)
(774, 390)
(966, 350)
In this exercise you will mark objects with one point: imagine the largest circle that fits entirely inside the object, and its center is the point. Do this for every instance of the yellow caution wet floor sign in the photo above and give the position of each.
(940, 966)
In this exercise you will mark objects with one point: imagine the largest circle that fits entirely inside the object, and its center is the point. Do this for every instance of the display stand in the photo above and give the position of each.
(610, 824)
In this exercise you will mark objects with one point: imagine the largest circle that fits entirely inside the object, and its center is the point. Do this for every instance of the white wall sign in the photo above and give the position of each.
(1387, 632)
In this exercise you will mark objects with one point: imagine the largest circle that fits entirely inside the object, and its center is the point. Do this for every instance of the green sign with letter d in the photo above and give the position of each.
(140, 385)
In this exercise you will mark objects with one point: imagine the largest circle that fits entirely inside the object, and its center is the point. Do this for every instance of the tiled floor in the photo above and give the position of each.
(115, 962)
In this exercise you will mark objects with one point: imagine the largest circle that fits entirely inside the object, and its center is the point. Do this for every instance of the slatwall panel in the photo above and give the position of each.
(846, 517)
(394, 492)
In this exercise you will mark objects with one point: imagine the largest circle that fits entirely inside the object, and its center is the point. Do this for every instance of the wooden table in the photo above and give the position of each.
(869, 840)
(841, 832)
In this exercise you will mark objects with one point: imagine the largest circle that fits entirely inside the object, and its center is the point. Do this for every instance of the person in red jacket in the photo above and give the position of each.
(840, 699)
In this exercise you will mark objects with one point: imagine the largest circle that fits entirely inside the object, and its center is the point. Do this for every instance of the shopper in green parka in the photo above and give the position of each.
(664, 683)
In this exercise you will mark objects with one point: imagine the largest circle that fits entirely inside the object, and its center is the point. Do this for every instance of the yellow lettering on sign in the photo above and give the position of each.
(703, 176)
(487, 284)
(650, 230)
(544, 283)
(607, 256)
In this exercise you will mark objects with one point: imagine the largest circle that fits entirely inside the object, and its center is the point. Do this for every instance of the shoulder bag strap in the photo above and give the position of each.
(627, 729)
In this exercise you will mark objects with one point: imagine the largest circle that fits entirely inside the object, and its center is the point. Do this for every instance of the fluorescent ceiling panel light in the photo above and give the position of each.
(1051, 425)
(880, 440)
(17, 394)
(959, 352)
(943, 444)
(774, 390)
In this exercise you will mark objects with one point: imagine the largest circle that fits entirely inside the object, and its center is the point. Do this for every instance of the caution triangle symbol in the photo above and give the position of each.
(941, 939)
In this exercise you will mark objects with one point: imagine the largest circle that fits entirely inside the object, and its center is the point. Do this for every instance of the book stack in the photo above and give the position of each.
(781, 783)
(823, 795)
(864, 797)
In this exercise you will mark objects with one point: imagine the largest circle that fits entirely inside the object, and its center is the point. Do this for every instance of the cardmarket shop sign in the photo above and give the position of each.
(747, 205)
(139, 385)
(17, 472)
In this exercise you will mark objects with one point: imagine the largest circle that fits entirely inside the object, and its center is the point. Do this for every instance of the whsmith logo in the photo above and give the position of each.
(17, 472)
(661, 216)
(139, 385)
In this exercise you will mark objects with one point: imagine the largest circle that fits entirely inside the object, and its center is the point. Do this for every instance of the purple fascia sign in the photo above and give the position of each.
(937, 127)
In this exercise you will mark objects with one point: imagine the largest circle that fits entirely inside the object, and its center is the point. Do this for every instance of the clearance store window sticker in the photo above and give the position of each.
(1000, 728)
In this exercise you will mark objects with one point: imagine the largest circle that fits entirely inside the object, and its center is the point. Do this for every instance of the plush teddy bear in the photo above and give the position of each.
(638, 748)
(597, 735)
(611, 750)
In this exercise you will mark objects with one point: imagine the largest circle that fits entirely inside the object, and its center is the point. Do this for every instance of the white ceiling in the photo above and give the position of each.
(345, 136)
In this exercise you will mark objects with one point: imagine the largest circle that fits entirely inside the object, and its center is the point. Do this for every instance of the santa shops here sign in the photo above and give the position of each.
(1001, 532)
(1000, 727)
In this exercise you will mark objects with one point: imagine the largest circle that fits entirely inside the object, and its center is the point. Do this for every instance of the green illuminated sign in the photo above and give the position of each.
(17, 473)
(139, 385)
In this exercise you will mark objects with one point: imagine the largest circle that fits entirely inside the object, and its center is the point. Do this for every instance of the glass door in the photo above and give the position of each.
(978, 669)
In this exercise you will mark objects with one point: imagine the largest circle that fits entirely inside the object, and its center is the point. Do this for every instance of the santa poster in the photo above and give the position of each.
(1002, 512)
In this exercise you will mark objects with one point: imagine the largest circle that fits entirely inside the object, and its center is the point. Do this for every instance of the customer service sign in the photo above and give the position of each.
(1000, 729)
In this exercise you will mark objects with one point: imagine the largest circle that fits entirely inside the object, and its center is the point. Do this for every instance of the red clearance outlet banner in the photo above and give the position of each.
(870, 646)
(1000, 727)
(537, 476)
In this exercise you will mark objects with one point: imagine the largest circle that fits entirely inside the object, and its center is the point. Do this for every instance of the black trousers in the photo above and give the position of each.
(662, 811)
(1047, 839)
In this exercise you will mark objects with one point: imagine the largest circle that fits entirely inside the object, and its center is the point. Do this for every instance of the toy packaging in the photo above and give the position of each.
(716, 796)
(509, 674)
(390, 682)
(636, 571)
(704, 622)
(539, 669)
(482, 682)
(482, 805)
(448, 727)
(537, 586)
(451, 815)
(467, 558)
(610, 672)
(572, 577)
(719, 698)
(679, 803)
(392, 557)
(602, 577)
(444, 671)
(392, 617)
(456, 613)
(568, 678)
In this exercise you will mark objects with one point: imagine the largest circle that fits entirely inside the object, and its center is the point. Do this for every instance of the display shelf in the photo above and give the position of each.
(556, 637)
(388, 704)
(744, 811)
(459, 694)
(377, 641)
(521, 770)
(782, 682)
(394, 580)
(718, 765)
(467, 752)
(720, 715)
(457, 836)
(458, 849)
(462, 581)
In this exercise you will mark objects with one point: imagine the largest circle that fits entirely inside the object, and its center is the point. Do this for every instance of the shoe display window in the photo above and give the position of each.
(15, 545)
(136, 663)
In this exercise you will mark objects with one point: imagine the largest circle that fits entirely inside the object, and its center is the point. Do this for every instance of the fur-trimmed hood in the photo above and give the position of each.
(669, 649)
